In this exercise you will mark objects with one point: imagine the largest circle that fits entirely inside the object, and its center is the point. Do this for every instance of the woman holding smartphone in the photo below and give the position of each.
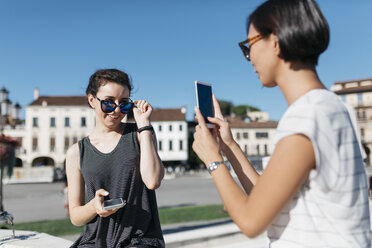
(314, 191)
(117, 160)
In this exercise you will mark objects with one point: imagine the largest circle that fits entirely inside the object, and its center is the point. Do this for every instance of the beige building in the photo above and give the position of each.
(254, 134)
(54, 123)
(170, 126)
(358, 95)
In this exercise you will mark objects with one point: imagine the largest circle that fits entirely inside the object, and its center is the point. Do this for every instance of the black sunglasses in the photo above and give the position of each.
(108, 106)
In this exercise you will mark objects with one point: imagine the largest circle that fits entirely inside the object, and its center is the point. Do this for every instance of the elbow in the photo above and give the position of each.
(153, 185)
(154, 182)
(76, 222)
(250, 229)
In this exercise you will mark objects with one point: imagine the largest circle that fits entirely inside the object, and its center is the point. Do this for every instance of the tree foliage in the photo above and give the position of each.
(226, 107)
(241, 110)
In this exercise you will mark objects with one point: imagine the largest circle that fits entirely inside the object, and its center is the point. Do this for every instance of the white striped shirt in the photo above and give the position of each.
(331, 209)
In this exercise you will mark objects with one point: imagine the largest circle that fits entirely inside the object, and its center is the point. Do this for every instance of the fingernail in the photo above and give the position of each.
(105, 193)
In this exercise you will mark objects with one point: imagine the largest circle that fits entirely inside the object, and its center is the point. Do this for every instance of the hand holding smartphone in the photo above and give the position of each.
(113, 203)
(204, 101)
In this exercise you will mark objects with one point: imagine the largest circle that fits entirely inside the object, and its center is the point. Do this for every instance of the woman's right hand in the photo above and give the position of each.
(222, 129)
(98, 202)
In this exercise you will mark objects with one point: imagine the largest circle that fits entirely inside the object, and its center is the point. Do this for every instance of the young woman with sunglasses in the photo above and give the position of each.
(313, 192)
(117, 160)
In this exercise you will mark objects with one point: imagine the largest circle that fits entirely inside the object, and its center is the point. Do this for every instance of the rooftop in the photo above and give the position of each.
(176, 114)
(352, 86)
(60, 101)
(239, 122)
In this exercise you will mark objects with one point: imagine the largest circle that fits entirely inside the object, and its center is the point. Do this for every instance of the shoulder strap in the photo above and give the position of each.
(81, 149)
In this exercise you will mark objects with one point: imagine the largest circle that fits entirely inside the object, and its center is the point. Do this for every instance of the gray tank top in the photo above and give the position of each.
(118, 172)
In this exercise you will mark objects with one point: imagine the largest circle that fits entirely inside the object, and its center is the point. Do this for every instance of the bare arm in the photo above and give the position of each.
(81, 213)
(285, 173)
(247, 175)
(151, 167)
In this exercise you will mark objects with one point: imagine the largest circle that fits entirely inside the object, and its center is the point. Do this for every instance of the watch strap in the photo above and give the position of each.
(145, 128)
(214, 165)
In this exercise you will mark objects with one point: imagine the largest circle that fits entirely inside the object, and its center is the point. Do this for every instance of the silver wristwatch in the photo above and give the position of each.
(214, 165)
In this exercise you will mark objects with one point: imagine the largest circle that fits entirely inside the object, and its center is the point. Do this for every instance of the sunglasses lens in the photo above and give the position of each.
(126, 107)
(107, 106)
(246, 52)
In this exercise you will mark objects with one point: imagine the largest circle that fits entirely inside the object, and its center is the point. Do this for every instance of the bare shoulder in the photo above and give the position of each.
(73, 156)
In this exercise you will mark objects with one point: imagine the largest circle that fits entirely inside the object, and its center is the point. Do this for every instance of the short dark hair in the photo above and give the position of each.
(301, 28)
(103, 76)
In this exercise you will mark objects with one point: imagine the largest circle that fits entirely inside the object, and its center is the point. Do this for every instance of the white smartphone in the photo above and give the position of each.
(113, 203)
(204, 100)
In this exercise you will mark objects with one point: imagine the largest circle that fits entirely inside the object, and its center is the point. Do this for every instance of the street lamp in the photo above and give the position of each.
(4, 108)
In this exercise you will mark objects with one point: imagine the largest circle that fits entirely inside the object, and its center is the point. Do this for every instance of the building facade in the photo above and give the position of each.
(358, 95)
(54, 123)
(254, 135)
(170, 126)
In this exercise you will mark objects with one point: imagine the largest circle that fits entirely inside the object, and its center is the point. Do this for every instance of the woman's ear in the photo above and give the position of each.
(276, 45)
(91, 100)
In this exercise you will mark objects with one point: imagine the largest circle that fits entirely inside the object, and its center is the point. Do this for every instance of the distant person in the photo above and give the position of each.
(117, 160)
(314, 190)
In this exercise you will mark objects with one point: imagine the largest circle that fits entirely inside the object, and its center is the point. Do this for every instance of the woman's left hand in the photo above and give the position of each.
(205, 144)
(142, 113)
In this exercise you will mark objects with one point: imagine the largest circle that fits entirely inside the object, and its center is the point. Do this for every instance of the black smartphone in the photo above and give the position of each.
(204, 100)
(113, 203)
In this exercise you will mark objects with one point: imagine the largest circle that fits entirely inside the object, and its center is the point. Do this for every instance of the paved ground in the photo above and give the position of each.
(44, 201)
(30, 202)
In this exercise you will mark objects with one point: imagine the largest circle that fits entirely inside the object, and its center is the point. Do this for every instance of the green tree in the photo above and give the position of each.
(226, 107)
(194, 160)
(241, 110)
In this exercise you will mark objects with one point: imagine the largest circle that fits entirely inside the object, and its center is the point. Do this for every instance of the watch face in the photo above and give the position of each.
(214, 166)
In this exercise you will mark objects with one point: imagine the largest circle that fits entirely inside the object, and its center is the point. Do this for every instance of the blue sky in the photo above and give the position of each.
(163, 45)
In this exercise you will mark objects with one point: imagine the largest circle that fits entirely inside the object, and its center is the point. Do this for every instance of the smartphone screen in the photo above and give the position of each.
(204, 99)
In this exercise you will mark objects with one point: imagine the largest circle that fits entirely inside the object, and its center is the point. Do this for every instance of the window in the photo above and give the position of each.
(266, 151)
(83, 121)
(362, 132)
(170, 145)
(159, 128)
(181, 145)
(34, 144)
(245, 135)
(74, 139)
(262, 135)
(52, 121)
(67, 121)
(181, 127)
(170, 128)
(245, 149)
(52, 144)
(360, 98)
(35, 122)
(343, 97)
(238, 136)
(67, 142)
(258, 149)
(160, 145)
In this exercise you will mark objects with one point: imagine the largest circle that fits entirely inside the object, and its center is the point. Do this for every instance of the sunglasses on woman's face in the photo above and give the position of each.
(246, 49)
(108, 106)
